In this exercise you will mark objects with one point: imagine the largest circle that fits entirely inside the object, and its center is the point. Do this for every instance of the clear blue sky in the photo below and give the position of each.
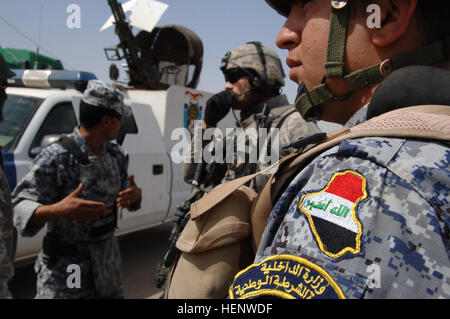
(222, 25)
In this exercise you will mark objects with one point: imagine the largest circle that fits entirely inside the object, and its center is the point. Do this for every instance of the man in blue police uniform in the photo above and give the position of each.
(368, 218)
(6, 224)
(74, 186)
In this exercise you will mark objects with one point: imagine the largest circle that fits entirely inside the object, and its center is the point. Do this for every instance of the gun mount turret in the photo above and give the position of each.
(156, 59)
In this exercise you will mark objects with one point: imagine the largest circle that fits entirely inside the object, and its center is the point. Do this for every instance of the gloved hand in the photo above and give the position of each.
(218, 106)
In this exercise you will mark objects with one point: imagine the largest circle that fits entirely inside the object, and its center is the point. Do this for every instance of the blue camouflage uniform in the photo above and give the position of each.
(7, 233)
(365, 219)
(6, 237)
(53, 175)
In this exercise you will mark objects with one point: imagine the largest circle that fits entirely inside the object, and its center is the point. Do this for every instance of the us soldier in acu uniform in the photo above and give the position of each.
(254, 76)
(6, 224)
(74, 186)
(368, 218)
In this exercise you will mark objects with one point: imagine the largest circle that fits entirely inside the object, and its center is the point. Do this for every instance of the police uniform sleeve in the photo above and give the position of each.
(6, 238)
(6, 269)
(40, 186)
(371, 215)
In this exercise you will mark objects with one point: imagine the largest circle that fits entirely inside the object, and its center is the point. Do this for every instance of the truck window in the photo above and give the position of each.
(17, 113)
(60, 120)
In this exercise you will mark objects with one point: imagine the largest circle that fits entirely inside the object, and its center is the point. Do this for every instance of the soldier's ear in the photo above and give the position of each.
(106, 121)
(396, 17)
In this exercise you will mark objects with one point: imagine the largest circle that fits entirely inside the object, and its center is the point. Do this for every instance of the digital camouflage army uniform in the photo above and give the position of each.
(53, 175)
(7, 234)
(282, 116)
(366, 219)
(265, 73)
(6, 237)
(292, 127)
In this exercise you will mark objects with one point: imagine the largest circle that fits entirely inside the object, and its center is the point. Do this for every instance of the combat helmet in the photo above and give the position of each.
(260, 62)
(307, 101)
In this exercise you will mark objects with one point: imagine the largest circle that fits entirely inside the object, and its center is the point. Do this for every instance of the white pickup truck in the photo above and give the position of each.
(42, 104)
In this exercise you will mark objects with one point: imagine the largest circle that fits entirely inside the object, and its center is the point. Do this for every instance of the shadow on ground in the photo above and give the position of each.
(141, 252)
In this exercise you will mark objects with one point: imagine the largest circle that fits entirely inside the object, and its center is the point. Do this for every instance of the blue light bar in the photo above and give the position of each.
(59, 79)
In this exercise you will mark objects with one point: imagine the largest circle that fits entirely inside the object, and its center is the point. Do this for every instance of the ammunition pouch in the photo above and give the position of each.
(99, 232)
(52, 248)
(215, 245)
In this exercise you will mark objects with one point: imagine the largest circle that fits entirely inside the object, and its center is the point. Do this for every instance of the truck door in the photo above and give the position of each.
(149, 163)
(60, 119)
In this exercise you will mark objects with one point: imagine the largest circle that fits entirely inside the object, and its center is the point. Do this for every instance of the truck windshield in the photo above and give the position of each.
(17, 112)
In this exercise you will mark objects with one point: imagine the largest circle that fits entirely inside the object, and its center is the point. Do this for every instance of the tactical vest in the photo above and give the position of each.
(54, 245)
(274, 119)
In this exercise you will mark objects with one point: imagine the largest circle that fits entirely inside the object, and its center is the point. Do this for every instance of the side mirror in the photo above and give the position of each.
(34, 152)
(46, 141)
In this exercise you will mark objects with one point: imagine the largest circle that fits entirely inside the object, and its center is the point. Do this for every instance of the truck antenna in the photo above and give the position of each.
(36, 62)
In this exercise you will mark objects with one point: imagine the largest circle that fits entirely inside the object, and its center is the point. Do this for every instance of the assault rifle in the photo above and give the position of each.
(142, 72)
(206, 177)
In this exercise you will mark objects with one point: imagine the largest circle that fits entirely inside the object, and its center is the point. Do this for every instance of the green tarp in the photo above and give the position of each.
(26, 59)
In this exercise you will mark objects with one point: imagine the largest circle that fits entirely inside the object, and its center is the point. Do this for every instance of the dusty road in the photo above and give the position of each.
(140, 254)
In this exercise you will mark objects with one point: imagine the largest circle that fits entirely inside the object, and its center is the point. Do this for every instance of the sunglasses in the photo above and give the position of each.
(234, 75)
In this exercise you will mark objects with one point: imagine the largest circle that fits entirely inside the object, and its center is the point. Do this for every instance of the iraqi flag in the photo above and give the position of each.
(332, 214)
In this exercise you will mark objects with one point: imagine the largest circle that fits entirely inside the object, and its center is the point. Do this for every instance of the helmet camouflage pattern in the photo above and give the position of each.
(247, 57)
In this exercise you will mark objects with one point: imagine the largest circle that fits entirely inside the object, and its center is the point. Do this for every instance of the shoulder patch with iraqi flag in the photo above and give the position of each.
(332, 214)
(287, 277)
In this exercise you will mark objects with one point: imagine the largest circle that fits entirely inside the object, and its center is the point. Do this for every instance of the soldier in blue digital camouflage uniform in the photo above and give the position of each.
(368, 218)
(76, 194)
(6, 225)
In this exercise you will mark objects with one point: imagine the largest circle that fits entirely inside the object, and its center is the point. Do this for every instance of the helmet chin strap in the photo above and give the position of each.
(308, 101)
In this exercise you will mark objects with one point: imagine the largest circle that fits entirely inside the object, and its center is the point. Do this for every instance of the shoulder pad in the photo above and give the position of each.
(410, 86)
